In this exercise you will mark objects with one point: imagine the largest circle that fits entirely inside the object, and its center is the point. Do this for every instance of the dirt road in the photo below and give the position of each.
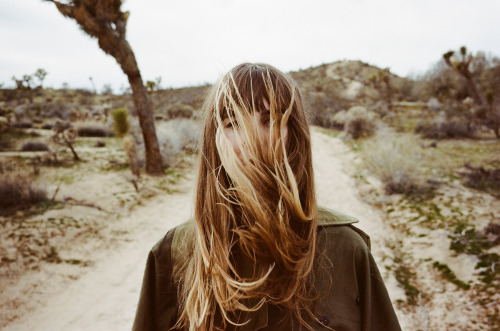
(105, 297)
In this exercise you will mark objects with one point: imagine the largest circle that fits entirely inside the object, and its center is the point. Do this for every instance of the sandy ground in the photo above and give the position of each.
(105, 296)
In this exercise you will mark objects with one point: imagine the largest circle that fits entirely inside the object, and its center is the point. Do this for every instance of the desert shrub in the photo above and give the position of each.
(433, 104)
(4, 123)
(92, 129)
(34, 146)
(380, 107)
(396, 160)
(121, 124)
(130, 148)
(47, 126)
(339, 119)
(442, 128)
(18, 191)
(359, 122)
(175, 137)
(482, 179)
(23, 124)
(180, 111)
(59, 108)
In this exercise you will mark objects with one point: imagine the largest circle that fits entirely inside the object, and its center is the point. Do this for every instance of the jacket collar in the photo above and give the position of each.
(328, 216)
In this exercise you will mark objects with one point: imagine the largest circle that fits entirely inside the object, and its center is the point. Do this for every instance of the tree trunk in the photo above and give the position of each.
(108, 25)
(122, 52)
(75, 156)
(142, 104)
(473, 88)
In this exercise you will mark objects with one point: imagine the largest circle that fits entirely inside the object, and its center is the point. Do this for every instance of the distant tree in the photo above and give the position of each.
(107, 89)
(158, 83)
(65, 134)
(151, 86)
(40, 74)
(381, 81)
(485, 112)
(93, 85)
(125, 90)
(104, 20)
(24, 87)
(462, 66)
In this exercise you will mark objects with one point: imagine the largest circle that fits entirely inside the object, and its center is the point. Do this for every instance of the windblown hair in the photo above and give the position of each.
(255, 212)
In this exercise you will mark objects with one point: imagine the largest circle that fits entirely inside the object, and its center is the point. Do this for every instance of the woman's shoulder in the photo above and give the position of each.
(336, 228)
(175, 245)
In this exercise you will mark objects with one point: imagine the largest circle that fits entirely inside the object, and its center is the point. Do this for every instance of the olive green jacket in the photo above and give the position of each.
(352, 294)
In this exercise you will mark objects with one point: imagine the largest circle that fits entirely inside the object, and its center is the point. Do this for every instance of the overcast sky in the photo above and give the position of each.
(190, 42)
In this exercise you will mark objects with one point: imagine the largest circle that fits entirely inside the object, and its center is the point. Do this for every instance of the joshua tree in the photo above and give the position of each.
(486, 113)
(107, 89)
(65, 134)
(24, 87)
(40, 75)
(151, 86)
(93, 85)
(462, 67)
(104, 20)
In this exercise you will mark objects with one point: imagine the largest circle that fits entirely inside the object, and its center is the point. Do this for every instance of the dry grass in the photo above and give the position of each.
(396, 160)
(449, 157)
(19, 191)
(175, 137)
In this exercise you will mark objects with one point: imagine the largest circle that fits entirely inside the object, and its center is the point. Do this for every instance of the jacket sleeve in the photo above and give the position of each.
(157, 308)
(377, 312)
(351, 290)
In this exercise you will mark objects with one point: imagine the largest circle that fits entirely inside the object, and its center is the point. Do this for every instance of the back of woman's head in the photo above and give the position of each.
(255, 202)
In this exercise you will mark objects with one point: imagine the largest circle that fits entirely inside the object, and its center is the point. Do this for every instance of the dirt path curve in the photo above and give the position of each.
(106, 297)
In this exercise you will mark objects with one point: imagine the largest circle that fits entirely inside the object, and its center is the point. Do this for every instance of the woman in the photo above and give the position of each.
(260, 254)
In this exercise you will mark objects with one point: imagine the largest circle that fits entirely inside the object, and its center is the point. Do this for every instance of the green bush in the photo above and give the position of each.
(121, 124)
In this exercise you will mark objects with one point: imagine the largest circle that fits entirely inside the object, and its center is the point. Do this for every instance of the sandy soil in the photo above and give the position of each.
(103, 296)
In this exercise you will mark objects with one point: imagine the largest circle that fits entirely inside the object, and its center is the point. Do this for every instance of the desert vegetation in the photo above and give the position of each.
(429, 160)
(73, 161)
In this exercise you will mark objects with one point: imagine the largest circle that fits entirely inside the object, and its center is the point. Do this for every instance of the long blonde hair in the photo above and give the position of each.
(257, 207)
